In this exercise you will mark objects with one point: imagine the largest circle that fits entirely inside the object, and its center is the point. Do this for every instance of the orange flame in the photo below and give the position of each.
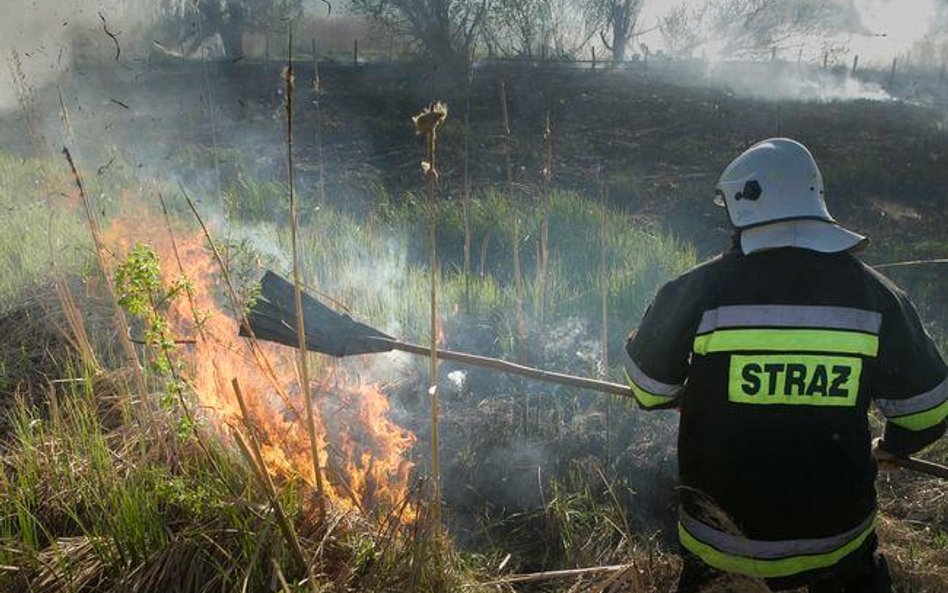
(364, 452)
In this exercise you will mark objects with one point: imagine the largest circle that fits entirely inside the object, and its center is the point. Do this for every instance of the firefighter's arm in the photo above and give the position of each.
(911, 386)
(658, 351)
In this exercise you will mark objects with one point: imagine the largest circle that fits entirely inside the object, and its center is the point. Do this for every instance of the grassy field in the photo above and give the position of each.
(120, 481)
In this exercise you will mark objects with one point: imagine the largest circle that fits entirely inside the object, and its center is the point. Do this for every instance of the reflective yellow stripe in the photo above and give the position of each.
(770, 568)
(794, 379)
(646, 399)
(923, 420)
(787, 340)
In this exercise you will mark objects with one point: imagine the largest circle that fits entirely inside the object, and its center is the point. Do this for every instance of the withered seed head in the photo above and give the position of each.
(430, 118)
(288, 76)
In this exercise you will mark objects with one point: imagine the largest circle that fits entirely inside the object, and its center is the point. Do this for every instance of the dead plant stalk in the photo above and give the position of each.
(426, 124)
(543, 247)
(515, 233)
(311, 410)
(604, 296)
(100, 250)
(259, 466)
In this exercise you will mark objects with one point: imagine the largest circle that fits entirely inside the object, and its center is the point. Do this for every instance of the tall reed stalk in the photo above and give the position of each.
(515, 231)
(317, 102)
(604, 305)
(311, 409)
(121, 322)
(426, 124)
(250, 448)
(466, 181)
(543, 247)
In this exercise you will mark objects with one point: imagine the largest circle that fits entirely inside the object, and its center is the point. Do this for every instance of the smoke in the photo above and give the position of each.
(47, 35)
(876, 30)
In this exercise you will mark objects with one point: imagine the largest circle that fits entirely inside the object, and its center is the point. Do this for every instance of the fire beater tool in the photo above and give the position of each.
(272, 318)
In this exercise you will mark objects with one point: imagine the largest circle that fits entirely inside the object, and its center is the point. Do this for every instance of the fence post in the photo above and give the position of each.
(855, 65)
(892, 73)
(593, 48)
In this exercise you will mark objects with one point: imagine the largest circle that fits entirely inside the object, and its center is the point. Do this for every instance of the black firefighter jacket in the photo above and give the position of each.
(773, 360)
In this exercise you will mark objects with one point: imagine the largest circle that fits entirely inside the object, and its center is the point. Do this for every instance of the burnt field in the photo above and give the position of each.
(565, 198)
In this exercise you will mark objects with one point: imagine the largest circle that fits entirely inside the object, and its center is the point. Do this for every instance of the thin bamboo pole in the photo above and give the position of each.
(311, 410)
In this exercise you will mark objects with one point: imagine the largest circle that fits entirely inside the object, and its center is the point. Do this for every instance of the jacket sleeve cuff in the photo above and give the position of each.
(649, 393)
(902, 441)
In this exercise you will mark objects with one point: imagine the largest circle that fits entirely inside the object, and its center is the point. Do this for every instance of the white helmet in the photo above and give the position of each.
(774, 198)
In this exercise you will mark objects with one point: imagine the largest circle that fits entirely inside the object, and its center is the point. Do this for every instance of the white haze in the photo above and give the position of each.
(43, 32)
(904, 23)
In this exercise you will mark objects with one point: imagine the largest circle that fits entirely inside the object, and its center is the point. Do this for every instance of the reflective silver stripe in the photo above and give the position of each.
(891, 408)
(790, 316)
(649, 384)
(737, 545)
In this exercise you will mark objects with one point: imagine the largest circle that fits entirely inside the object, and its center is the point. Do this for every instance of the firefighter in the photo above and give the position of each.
(773, 353)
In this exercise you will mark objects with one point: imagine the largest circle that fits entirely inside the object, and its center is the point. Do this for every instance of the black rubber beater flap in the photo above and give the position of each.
(273, 318)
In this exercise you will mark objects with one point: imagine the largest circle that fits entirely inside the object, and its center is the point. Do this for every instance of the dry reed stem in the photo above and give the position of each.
(318, 91)
(284, 586)
(543, 246)
(100, 250)
(259, 355)
(78, 337)
(311, 409)
(426, 124)
(515, 238)
(255, 458)
(466, 181)
(535, 577)
(604, 296)
(203, 335)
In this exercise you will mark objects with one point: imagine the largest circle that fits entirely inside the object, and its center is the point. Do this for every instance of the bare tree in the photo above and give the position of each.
(444, 29)
(557, 28)
(568, 32)
(190, 23)
(616, 21)
(516, 27)
(753, 28)
(684, 29)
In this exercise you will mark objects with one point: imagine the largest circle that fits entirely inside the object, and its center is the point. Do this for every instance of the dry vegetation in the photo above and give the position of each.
(115, 482)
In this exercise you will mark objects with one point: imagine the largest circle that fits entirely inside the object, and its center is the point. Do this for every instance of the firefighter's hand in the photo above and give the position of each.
(882, 457)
